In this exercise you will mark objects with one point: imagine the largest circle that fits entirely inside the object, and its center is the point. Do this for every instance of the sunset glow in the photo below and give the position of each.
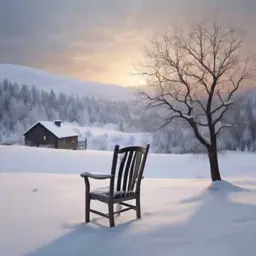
(101, 41)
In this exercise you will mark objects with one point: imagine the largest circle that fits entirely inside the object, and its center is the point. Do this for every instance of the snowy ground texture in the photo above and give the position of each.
(42, 206)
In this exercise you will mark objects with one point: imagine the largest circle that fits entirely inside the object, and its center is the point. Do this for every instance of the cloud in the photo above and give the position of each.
(99, 39)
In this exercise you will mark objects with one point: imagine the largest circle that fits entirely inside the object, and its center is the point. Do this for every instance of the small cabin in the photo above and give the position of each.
(51, 134)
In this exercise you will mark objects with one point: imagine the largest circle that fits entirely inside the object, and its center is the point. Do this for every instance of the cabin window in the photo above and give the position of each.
(44, 138)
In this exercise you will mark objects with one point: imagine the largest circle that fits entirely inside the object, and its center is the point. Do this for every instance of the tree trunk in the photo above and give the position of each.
(214, 164)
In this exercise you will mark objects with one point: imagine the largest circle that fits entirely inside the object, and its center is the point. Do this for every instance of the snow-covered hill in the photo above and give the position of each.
(47, 81)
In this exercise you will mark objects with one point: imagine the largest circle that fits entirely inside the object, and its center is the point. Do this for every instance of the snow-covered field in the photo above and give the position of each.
(42, 206)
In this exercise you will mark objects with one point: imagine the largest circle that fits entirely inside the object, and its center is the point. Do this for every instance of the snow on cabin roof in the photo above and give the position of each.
(61, 131)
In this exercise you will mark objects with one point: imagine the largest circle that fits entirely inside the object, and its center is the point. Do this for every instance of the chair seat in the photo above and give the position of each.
(102, 194)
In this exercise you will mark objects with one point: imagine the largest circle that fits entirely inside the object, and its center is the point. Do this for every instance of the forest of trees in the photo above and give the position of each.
(22, 106)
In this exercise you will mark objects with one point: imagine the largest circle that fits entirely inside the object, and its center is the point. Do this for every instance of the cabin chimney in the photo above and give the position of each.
(57, 123)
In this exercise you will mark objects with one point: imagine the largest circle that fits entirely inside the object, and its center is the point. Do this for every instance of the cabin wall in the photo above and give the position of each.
(68, 143)
(39, 136)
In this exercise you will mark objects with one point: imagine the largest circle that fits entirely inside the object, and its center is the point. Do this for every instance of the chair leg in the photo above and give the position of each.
(138, 210)
(87, 208)
(111, 214)
(118, 208)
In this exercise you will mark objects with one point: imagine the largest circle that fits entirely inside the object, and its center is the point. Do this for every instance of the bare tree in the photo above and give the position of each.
(193, 75)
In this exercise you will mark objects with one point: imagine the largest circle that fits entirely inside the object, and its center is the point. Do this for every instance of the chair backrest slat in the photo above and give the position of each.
(127, 170)
(120, 171)
(136, 171)
(132, 171)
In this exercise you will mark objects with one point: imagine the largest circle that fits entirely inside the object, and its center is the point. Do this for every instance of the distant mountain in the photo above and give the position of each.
(47, 81)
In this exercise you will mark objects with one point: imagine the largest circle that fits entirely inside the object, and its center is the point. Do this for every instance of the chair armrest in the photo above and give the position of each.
(95, 176)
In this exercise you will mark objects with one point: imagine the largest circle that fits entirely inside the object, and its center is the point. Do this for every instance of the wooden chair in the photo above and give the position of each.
(124, 184)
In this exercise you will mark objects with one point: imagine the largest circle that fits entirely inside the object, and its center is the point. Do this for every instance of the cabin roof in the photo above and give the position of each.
(62, 131)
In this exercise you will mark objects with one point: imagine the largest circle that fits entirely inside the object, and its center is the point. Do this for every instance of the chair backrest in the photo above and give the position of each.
(127, 168)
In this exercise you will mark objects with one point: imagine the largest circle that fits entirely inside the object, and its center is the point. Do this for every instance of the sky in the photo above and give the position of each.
(101, 40)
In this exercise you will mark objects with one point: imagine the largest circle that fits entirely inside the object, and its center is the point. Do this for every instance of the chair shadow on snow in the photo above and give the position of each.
(213, 228)
(83, 239)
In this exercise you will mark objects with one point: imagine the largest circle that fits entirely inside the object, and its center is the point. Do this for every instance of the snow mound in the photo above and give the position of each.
(222, 185)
